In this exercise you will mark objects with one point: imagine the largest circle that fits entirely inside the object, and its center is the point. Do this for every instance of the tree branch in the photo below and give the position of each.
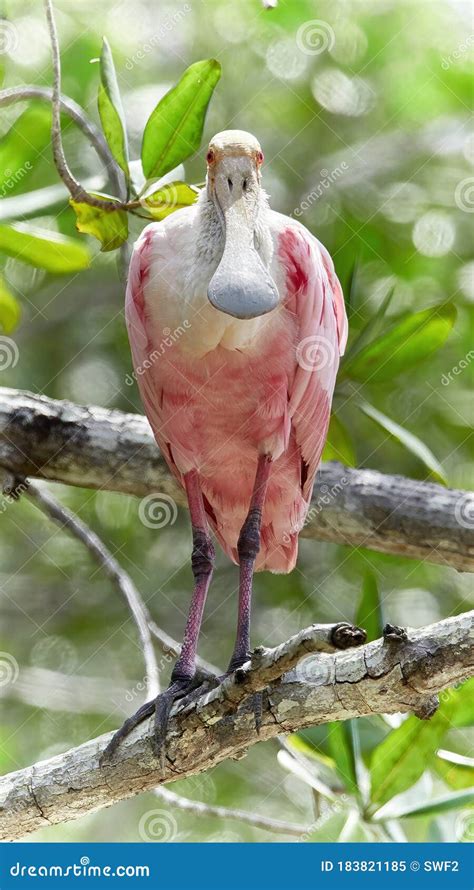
(387, 676)
(76, 113)
(96, 448)
(206, 809)
(146, 624)
(67, 519)
(75, 188)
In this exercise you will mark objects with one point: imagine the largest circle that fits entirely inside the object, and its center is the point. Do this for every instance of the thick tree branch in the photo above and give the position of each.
(96, 448)
(387, 676)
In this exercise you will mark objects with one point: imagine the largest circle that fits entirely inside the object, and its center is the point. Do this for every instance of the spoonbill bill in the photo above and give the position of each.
(240, 402)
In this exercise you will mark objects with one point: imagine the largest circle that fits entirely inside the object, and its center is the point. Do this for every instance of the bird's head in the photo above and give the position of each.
(241, 286)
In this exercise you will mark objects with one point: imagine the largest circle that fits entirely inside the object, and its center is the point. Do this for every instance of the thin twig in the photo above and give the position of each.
(116, 573)
(205, 809)
(75, 188)
(109, 564)
(77, 114)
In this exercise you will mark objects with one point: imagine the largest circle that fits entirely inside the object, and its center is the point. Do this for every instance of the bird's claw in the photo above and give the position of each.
(161, 706)
(394, 634)
(346, 636)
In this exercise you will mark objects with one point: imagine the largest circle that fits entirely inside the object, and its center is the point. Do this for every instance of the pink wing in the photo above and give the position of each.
(135, 313)
(314, 296)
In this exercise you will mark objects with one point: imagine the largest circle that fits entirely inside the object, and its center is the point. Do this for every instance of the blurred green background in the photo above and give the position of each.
(363, 110)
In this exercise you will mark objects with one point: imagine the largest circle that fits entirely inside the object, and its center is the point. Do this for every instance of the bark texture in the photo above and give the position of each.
(96, 448)
(397, 673)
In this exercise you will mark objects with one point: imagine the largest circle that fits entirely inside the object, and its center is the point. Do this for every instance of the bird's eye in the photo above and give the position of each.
(260, 157)
(210, 157)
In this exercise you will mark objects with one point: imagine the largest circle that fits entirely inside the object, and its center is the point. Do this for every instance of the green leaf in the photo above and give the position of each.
(369, 331)
(409, 441)
(20, 147)
(174, 129)
(169, 198)
(361, 771)
(452, 801)
(111, 110)
(369, 613)
(456, 770)
(342, 752)
(404, 345)
(46, 250)
(10, 310)
(350, 288)
(339, 445)
(110, 227)
(399, 761)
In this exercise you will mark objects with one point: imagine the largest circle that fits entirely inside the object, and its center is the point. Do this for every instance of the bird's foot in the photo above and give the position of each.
(394, 634)
(255, 700)
(161, 706)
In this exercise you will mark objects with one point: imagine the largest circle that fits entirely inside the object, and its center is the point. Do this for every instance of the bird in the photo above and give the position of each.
(236, 321)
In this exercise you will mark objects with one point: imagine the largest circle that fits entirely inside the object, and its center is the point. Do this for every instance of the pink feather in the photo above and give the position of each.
(217, 412)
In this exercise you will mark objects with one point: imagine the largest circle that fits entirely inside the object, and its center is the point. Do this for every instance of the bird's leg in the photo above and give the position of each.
(248, 546)
(183, 678)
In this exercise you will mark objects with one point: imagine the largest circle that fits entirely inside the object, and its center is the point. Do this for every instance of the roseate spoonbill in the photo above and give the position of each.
(240, 402)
